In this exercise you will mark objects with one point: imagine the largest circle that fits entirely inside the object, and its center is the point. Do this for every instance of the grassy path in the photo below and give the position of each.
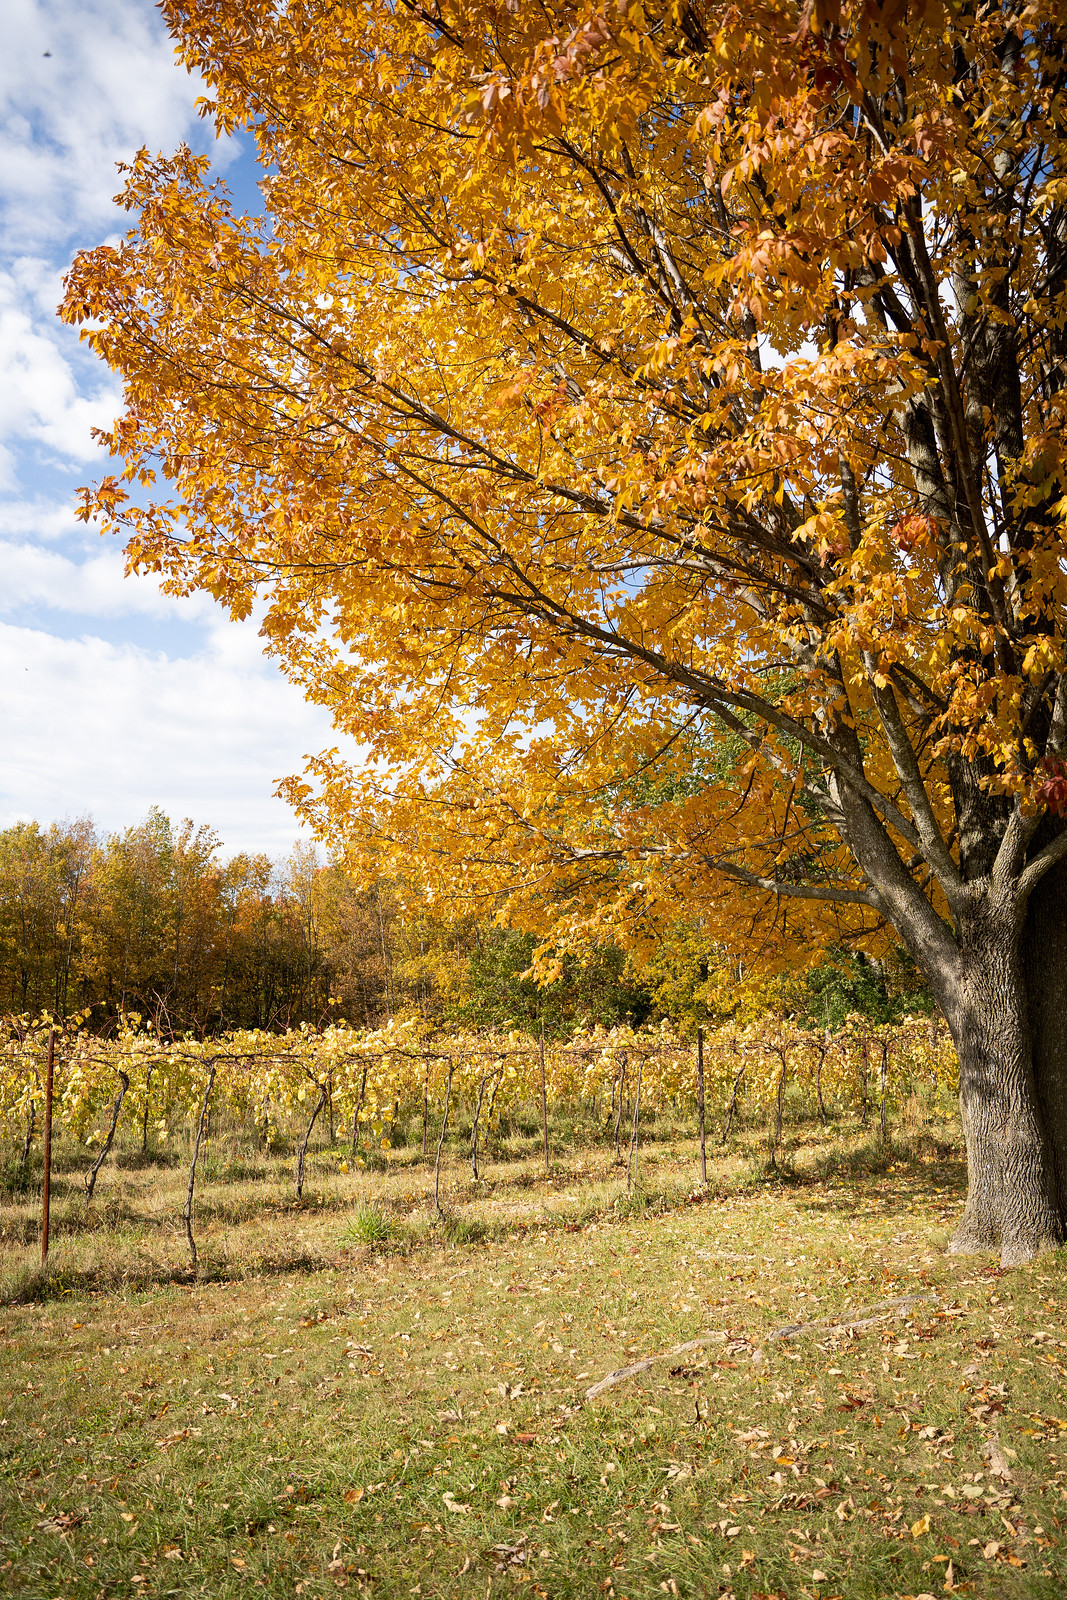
(412, 1422)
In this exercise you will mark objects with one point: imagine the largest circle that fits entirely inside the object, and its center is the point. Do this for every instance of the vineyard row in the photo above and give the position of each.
(362, 1084)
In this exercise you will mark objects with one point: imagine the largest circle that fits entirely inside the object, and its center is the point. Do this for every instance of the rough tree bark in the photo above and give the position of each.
(1012, 1199)
(999, 974)
(1044, 962)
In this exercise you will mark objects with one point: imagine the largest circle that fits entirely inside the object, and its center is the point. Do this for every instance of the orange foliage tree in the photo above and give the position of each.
(642, 424)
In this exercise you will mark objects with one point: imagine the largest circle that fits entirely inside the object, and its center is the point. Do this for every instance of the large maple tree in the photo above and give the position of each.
(643, 425)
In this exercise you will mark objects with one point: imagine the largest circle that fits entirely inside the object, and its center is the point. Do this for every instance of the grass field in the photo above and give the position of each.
(355, 1395)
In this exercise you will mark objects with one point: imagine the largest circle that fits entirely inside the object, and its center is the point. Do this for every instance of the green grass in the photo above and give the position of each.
(369, 1226)
(356, 1395)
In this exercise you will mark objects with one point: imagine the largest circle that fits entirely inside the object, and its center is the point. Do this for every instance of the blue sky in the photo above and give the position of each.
(112, 696)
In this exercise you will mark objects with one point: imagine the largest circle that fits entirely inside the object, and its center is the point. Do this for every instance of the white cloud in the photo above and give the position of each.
(83, 84)
(95, 587)
(41, 519)
(40, 399)
(89, 726)
(108, 84)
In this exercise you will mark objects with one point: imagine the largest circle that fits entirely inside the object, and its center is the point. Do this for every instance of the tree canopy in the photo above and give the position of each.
(643, 425)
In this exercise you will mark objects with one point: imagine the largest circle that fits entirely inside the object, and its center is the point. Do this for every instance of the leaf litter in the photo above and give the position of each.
(899, 1442)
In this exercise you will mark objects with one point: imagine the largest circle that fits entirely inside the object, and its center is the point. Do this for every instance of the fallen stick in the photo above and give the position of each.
(866, 1318)
(621, 1373)
(993, 1451)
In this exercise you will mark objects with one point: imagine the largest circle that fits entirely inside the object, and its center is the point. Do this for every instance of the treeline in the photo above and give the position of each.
(155, 920)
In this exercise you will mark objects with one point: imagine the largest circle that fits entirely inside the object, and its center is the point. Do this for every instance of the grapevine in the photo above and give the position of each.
(365, 1080)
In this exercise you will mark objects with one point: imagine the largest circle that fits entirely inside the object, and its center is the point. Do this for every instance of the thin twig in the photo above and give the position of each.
(622, 1373)
(865, 1318)
(441, 1141)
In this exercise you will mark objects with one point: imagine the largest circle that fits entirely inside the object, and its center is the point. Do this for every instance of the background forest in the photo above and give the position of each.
(155, 920)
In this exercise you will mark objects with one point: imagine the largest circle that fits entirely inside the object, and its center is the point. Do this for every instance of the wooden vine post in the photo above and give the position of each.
(441, 1140)
(700, 1109)
(187, 1213)
(46, 1191)
(631, 1165)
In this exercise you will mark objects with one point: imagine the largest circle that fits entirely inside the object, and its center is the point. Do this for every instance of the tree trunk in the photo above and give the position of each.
(1045, 967)
(1012, 1200)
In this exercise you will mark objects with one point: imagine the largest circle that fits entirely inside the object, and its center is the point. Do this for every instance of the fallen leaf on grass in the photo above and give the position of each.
(172, 1439)
(508, 1555)
(452, 1504)
(354, 1496)
(62, 1522)
(920, 1527)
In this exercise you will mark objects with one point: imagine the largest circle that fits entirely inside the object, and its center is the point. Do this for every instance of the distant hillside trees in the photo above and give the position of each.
(153, 919)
